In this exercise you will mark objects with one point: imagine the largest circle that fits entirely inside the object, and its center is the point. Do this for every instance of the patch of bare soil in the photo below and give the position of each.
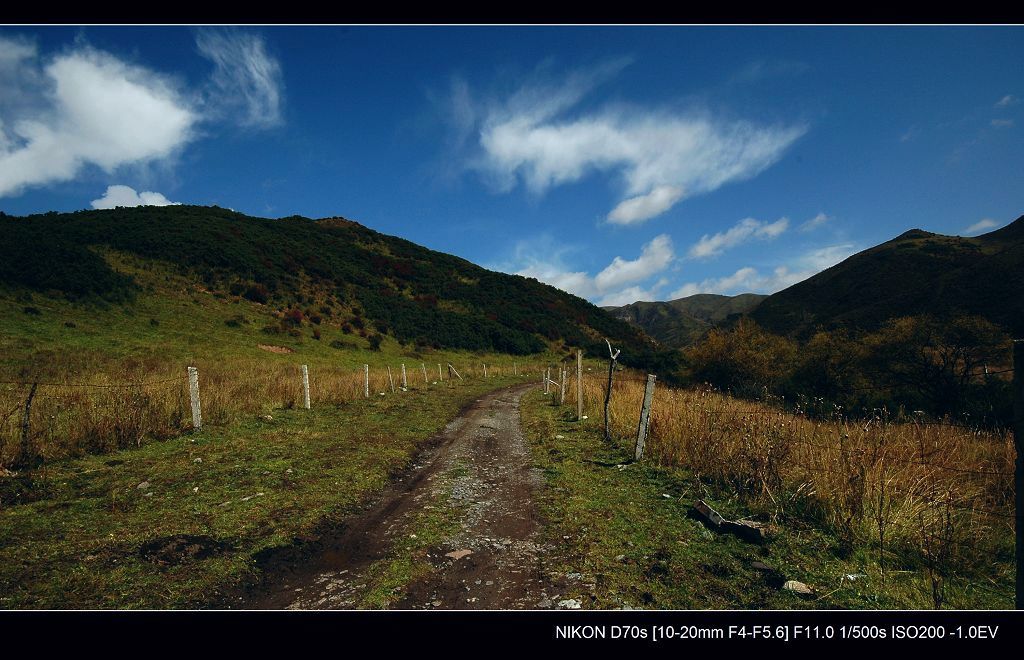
(481, 465)
(275, 349)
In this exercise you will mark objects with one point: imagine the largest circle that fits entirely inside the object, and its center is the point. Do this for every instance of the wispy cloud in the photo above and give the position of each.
(1007, 101)
(815, 222)
(539, 137)
(246, 79)
(620, 280)
(1002, 123)
(980, 226)
(89, 108)
(750, 280)
(747, 229)
(127, 196)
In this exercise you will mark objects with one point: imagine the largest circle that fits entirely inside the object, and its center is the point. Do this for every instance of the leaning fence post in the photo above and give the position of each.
(193, 389)
(391, 380)
(405, 383)
(366, 381)
(612, 357)
(645, 416)
(579, 385)
(305, 387)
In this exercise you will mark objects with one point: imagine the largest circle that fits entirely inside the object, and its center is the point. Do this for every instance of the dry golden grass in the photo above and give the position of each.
(940, 493)
(111, 409)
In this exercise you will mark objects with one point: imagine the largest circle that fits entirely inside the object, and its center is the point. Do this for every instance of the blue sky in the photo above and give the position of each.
(616, 163)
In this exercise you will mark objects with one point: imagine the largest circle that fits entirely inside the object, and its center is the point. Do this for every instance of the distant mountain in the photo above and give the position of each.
(678, 323)
(301, 273)
(914, 273)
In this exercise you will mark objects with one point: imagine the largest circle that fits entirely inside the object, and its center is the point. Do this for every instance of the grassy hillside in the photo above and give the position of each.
(680, 322)
(300, 274)
(917, 272)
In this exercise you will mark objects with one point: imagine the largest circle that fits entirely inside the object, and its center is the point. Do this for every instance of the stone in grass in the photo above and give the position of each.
(798, 588)
(569, 604)
(143, 486)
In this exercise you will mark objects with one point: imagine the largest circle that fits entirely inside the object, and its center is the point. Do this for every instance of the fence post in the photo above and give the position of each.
(405, 383)
(424, 367)
(547, 378)
(305, 386)
(612, 357)
(25, 459)
(439, 376)
(485, 370)
(366, 381)
(515, 368)
(561, 396)
(391, 380)
(579, 385)
(645, 417)
(1018, 473)
(193, 389)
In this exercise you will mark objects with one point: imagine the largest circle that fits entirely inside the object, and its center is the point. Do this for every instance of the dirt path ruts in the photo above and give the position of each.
(480, 465)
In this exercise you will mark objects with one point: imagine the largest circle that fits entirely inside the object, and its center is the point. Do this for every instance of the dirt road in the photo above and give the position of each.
(479, 469)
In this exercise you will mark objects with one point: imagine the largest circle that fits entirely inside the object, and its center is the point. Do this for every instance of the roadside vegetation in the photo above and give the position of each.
(920, 514)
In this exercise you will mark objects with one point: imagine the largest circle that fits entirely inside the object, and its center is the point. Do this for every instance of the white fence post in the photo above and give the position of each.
(305, 386)
(424, 367)
(485, 370)
(439, 376)
(561, 397)
(405, 383)
(366, 381)
(391, 380)
(193, 388)
(645, 416)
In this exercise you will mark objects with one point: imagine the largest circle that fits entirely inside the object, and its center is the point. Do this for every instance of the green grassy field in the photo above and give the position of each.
(180, 523)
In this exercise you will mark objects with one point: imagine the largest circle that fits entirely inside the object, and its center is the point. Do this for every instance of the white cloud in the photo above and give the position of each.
(744, 230)
(1007, 101)
(643, 207)
(246, 80)
(749, 279)
(654, 258)
(980, 226)
(618, 281)
(91, 109)
(815, 222)
(126, 196)
(534, 137)
(1002, 123)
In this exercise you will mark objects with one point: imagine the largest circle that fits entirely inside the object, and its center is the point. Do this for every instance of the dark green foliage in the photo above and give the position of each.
(679, 323)
(414, 294)
(910, 363)
(915, 273)
(375, 341)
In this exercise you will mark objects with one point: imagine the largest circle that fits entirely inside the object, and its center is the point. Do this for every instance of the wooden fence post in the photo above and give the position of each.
(305, 386)
(485, 370)
(645, 417)
(515, 368)
(424, 367)
(193, 389)
(561, 396)
(25, 458)
(612, 357)
(1018, 473)
(452, 370)
(391, 380)
(439, 376)
(366, 381)
(405, 383)
(547, 378)
(579, 385)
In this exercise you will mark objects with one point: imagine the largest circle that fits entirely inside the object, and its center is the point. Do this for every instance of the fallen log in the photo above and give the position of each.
(745, 529)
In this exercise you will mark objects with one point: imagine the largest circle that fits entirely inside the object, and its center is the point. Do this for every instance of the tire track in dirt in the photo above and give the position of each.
(480, 465)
